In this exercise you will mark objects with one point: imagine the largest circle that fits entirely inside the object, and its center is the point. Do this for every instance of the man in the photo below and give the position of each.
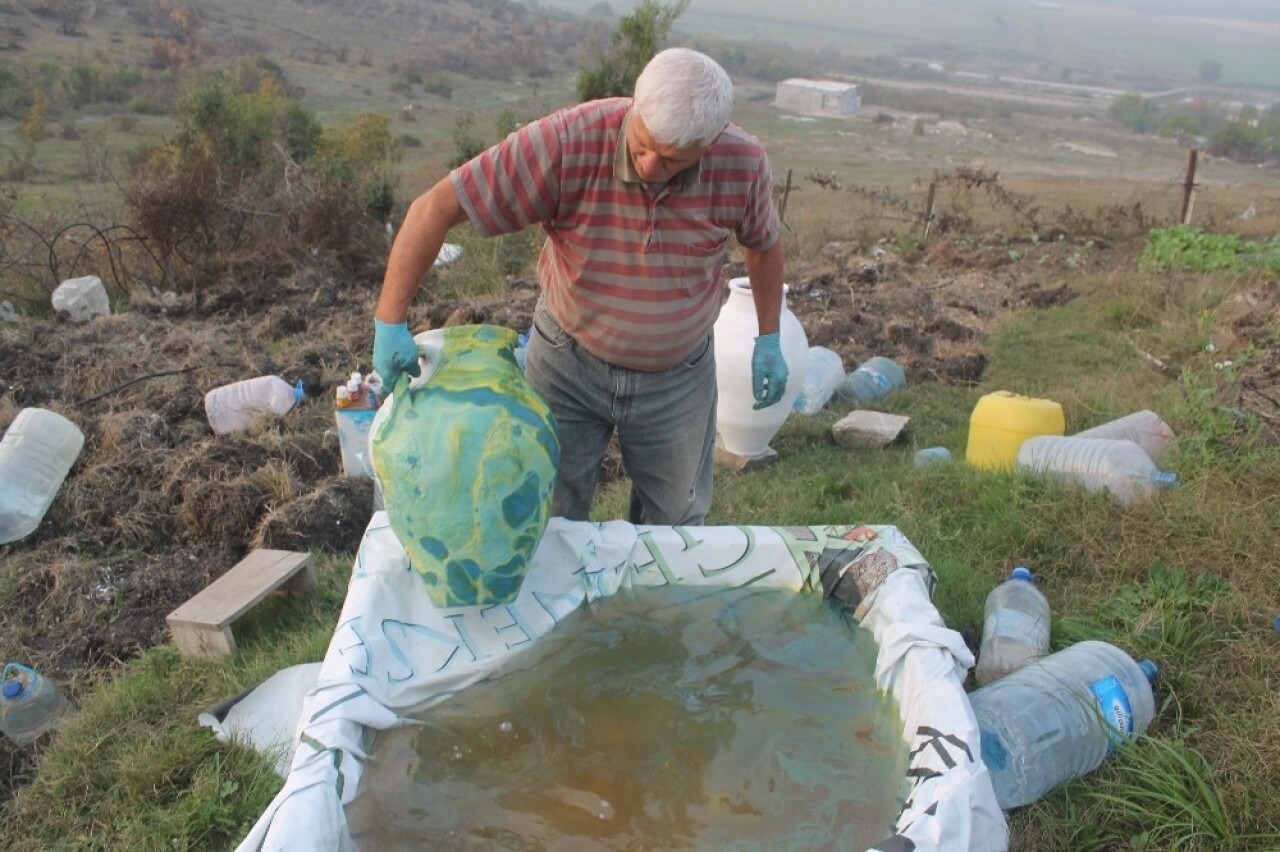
(638, 197)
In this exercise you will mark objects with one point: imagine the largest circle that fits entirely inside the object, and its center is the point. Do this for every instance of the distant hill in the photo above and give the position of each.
(485, 39)
(1133, 44)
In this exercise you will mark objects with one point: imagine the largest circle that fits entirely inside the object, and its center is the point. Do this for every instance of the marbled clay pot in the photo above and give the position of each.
(466, 458)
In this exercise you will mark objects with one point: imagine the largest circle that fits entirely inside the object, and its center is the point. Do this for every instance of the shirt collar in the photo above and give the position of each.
(626, 172)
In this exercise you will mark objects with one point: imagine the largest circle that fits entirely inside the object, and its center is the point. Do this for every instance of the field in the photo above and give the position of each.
(1031, 278)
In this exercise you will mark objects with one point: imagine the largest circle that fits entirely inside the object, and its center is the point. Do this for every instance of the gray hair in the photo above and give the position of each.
(684, 98)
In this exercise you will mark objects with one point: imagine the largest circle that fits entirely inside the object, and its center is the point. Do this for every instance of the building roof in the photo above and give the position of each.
(823, 85)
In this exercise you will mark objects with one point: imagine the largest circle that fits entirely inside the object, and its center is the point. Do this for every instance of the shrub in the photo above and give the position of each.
(250, 185)
(633, 43)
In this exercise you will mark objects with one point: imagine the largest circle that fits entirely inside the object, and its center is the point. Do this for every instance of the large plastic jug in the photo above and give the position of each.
(30, 704)
(824, 371)
(37, 452)
(1144, 428)
(874, 379)
(1059, 717)
(1001, 421)
(234, 407)
(1120, 467)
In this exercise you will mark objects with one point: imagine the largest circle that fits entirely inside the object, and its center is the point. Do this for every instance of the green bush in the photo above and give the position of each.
(1184, 248)
(250, 184)
(636, 40)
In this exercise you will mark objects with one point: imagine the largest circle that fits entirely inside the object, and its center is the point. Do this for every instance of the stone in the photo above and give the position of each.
(81, 299)
(868, 429)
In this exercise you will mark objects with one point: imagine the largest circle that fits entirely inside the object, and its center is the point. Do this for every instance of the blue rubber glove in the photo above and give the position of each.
(394, 352)
(768, 371)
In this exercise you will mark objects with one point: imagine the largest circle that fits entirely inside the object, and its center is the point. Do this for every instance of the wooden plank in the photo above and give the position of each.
(199, 642)
(201, 627)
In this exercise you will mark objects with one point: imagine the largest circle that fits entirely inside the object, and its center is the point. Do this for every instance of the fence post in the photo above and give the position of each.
(1189, 187)
(928, 210)
(786, 193)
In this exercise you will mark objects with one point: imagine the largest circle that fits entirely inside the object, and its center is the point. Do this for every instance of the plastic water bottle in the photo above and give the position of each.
(822, 377)
(234, 407)
(931, 455)
(1015, 627)
(30, 704)
(874, 379)
(1121, 467)
(1059, 717)
(1144, 428)
(522, 349)
(36, 454)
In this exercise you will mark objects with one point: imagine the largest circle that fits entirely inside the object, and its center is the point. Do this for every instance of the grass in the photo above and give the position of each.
(132, 769)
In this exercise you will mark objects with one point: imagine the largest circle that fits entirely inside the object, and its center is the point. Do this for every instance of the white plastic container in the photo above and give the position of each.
(745, 430)
(1144, 428)
(1120, 467)
(822, 376)
(36, 454)
(234, 407)
(1015, 627)
(1059, 717)
(30, 704)
(874, 379)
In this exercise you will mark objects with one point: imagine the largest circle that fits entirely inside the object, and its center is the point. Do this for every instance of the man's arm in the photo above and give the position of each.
(765, 270)
(416, 248)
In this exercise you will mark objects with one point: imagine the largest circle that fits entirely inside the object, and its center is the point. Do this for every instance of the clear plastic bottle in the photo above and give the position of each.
(874, 379)
(30, 704)
(932, 455)
(1059, 717)
(822, 377)
(234, 407)
(1015, 627)
(1144, 428)
(37, 452)
(1121, 467)
(522, 349)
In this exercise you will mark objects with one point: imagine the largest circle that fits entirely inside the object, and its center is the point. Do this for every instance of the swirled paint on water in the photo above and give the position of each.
(467, 464)
(673, 718)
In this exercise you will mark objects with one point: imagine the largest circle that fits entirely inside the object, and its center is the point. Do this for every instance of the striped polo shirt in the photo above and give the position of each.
(633, 274)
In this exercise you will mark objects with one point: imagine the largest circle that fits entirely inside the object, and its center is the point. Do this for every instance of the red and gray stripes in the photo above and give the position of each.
(632, 276)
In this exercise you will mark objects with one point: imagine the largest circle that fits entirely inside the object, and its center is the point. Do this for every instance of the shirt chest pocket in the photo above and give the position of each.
(702, 253)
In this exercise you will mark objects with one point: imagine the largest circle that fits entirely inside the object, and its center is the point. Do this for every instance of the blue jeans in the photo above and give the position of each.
(666, 424)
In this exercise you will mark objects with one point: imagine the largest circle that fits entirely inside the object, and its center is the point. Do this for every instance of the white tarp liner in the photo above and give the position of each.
(265, 716)
(394, 652)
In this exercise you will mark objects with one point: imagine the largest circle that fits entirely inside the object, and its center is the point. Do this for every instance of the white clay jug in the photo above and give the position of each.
(743, 429)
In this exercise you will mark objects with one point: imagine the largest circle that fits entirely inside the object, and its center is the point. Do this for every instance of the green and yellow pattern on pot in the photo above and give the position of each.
(467, 462)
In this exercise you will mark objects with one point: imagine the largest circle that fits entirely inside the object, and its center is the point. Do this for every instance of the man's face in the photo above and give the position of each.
(655, 162)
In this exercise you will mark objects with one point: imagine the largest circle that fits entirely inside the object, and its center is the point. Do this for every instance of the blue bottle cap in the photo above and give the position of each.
(14, 689)
(1149, 669)
(1022, 573)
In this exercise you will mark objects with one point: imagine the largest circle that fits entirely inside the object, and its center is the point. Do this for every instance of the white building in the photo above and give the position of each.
(818, 97)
